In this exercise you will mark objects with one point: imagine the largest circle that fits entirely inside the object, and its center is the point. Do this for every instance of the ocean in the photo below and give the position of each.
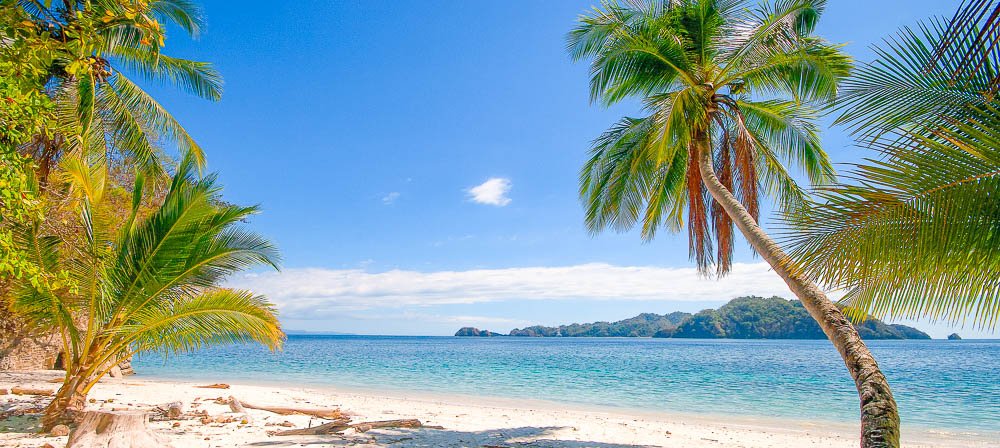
(939, 385)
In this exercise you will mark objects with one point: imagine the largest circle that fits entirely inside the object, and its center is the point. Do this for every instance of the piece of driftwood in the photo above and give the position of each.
(315, 412)
(237, 407)
(343, 424)
(404, 423)
(214, 386)
(335, 426)
(174, 410)
(31, 391)
(109, 429)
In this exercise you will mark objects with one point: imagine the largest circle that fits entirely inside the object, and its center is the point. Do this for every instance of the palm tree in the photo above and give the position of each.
(152, 286)
(728, 93)
(101, 111)
(915, 234)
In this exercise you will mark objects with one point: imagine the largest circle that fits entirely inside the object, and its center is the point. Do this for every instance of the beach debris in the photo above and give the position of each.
(109, 429)
(59, 431)
(18, 408)
(280, 410)
(214, 386)
(343, 424)
(237, 407)
(223, 419)
(31, 391)
(172, 411)
(4, 392)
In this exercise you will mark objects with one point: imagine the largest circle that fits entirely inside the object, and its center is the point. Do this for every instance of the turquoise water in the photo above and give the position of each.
(949, 385)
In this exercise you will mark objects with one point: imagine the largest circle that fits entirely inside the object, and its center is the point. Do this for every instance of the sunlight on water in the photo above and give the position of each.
(938, 384)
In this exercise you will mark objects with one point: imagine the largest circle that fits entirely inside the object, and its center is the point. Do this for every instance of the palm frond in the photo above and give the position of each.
(186, 14)
(903, 87)
(915, 233)
(970, 40)
(198, 78)
(219, 316)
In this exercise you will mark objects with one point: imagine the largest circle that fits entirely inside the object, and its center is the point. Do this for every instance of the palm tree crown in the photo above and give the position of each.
(102, 113)
(742, 78)
(152, 285)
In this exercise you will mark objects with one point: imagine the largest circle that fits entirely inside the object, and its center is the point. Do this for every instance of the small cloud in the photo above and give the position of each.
(390, 198)
(492, 192)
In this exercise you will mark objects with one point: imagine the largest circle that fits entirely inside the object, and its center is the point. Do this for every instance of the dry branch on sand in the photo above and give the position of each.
(31, 391)
(284, 410)
(343, 424)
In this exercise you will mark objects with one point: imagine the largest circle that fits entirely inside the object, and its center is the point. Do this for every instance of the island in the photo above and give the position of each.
(749, 317)
(470, 331)
(954, 337)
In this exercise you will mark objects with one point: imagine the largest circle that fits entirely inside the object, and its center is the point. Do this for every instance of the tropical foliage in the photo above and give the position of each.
(915, 231)
(150, 286)
(101, 113)
(730, 91)
(99, 242)
(744, 79)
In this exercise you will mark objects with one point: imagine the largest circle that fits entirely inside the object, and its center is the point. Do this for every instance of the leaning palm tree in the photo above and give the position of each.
(916, 231)
(101, 110)
(729, 91)
(151, 287)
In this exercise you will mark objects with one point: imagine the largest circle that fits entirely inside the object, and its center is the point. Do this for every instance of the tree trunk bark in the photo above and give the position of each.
(879, 416)
(67, 405)
(104, 429)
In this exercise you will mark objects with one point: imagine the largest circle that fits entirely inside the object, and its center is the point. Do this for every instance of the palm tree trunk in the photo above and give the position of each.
(879, 416)
(67, 404)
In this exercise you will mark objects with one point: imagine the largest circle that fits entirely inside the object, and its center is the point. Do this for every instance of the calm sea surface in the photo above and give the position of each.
(949, 385)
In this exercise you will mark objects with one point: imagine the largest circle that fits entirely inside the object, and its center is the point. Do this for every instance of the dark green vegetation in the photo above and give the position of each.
(643, 325)
(775, 318)
(741, 318)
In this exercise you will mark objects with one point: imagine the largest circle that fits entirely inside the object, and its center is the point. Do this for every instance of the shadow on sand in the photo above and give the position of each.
(543, 437)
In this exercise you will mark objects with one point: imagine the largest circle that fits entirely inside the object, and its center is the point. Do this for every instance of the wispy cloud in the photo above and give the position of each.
(318, 293)
(492, 192)
(390, 198)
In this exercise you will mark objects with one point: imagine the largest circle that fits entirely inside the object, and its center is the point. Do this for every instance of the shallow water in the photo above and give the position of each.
(946, 385)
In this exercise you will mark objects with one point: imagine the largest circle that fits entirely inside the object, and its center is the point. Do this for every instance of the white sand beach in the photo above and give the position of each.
(466, 422)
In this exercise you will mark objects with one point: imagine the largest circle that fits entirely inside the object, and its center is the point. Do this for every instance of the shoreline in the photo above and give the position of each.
(467, 420)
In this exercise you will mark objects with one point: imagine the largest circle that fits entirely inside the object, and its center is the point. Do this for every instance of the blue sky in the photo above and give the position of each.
(364, 128)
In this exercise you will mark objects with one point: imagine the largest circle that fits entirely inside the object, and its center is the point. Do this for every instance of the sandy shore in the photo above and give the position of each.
(466, 422)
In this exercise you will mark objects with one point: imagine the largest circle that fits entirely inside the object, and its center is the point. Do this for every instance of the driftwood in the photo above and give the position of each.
(237, 407)
(214, 386)
(405, 423)
(31, 391)
(315, 412)
(335, 426)
(343, 424)
(108, 429)
(172, 411)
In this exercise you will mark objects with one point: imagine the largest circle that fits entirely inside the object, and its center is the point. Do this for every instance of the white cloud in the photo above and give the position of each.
(390, 198)
(318, 293)
(492, 192)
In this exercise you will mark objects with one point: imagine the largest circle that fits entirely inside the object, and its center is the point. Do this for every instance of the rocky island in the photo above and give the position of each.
(742, 318)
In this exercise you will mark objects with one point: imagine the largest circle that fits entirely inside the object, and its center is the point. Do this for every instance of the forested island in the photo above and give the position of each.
(741, 318)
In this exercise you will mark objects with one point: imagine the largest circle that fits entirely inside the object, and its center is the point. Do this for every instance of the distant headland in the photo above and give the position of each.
(742, 318)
